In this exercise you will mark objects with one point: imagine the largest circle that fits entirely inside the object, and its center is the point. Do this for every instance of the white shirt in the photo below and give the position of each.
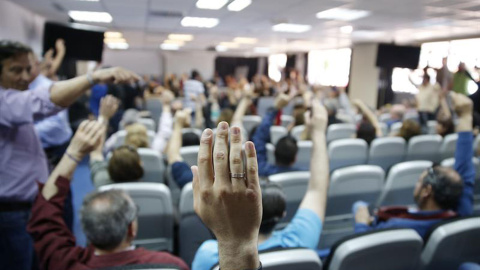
(427, 97)
(192, 88)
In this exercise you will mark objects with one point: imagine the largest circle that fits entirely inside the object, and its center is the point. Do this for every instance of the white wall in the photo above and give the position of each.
(145, 62)
(183, 62)
(364, 74)
(21, 25)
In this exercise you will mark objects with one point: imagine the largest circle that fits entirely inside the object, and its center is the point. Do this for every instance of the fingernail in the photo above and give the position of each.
(207, 133)
(250, 146)
(235, 131)
(223, 126)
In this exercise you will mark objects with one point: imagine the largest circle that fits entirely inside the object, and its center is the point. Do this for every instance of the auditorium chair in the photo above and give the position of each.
(189, 154)
(387, 151)
(424, 147)
(347, 152)
(341, 131)
(448, 146)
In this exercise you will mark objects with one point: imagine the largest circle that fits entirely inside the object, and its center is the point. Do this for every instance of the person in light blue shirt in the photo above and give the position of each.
(305, 228)
(55, 130)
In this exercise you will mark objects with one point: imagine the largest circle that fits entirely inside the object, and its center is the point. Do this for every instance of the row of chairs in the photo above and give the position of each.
(383, 152)
(347, 185)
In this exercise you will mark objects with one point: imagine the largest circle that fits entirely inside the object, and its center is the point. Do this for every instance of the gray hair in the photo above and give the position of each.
(105, 217)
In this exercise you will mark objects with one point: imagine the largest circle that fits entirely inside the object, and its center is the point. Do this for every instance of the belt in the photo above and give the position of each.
(15, 206)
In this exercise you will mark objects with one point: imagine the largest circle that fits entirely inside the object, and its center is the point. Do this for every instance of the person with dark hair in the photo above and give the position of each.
(440, 192)
(190, 139)
(369, 128)
(305, 227)
(23, 160)
(366, 131)
(285, 150)
(108, 218)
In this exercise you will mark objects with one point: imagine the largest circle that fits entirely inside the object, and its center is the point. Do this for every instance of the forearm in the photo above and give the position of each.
(66, 92)
(234, 256)
(319, 167)
(240, 112)
(372, 119)
(57, 61)
(175, 144)
(65, 168)
(199, 115)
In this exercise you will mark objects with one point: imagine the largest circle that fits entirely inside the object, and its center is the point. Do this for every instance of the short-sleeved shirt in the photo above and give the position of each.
(192, 87)
(303, 231)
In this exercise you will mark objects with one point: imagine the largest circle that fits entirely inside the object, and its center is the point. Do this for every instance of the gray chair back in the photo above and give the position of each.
(424, 147)
(397, 249)
(294, 185)
(387, 151)
(153, 165)
(347, 152)
(276, 133)
(340, 131)
(401, 181)
(190, 154)
(351, 184)
(452, 243)
(448, 146)
(155, 219)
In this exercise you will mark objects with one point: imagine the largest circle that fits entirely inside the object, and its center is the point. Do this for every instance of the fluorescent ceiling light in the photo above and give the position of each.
(169, 47)
(114, 40)
(347, 29)
(199, 22)
(211, 4)
(343, 14)
(113, 34)
(177, 42)
(182, 37)
(220, 48)
(291, 28)
(118, 46)
(261, 50)
(88, 16)
(245, 40)
(229, 44)
(238, 5)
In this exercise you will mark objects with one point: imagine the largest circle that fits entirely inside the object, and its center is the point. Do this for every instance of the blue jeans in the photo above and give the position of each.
(16, 245)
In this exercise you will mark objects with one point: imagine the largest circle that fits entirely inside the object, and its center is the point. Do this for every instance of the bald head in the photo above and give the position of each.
(106, 217)
(446, 186)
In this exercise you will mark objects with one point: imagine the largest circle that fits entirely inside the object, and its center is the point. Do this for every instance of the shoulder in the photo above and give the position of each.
(148, 256)
(206, 256)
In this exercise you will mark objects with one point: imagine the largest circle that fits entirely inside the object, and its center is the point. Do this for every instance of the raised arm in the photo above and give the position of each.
(108, 107)
(316, 197)
(173, 149)
(165, 122)
(227, 196)
(371, 118)
(64, 93)
(242, 108)
(57, 61)
(54, 242)
(464, 152)
(262, 134)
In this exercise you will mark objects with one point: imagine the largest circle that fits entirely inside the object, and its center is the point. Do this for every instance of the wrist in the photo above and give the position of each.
(235, 255)
(75, 155)
(464, 123)
(102, 119)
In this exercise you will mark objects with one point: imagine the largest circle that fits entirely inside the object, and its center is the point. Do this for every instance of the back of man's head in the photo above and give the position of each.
(106, 217)
(286, 151)
(10, 49)
(274, 205)
(447, 187)
(366, 131)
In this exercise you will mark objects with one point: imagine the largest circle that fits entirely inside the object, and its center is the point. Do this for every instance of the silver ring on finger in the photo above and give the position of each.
(237, 175)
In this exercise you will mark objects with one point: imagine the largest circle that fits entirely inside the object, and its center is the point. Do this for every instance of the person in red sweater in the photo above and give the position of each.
(109, 219)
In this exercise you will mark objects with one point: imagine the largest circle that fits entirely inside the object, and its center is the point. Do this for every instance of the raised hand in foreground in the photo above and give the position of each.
(227, 197)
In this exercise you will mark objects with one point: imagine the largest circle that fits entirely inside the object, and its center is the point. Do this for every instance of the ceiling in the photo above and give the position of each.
(401, 21)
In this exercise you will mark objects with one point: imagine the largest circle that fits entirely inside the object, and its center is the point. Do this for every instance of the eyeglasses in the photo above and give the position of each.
(432, 176)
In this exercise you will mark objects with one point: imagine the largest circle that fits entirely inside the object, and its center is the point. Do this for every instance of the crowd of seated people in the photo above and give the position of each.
(228, 182)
